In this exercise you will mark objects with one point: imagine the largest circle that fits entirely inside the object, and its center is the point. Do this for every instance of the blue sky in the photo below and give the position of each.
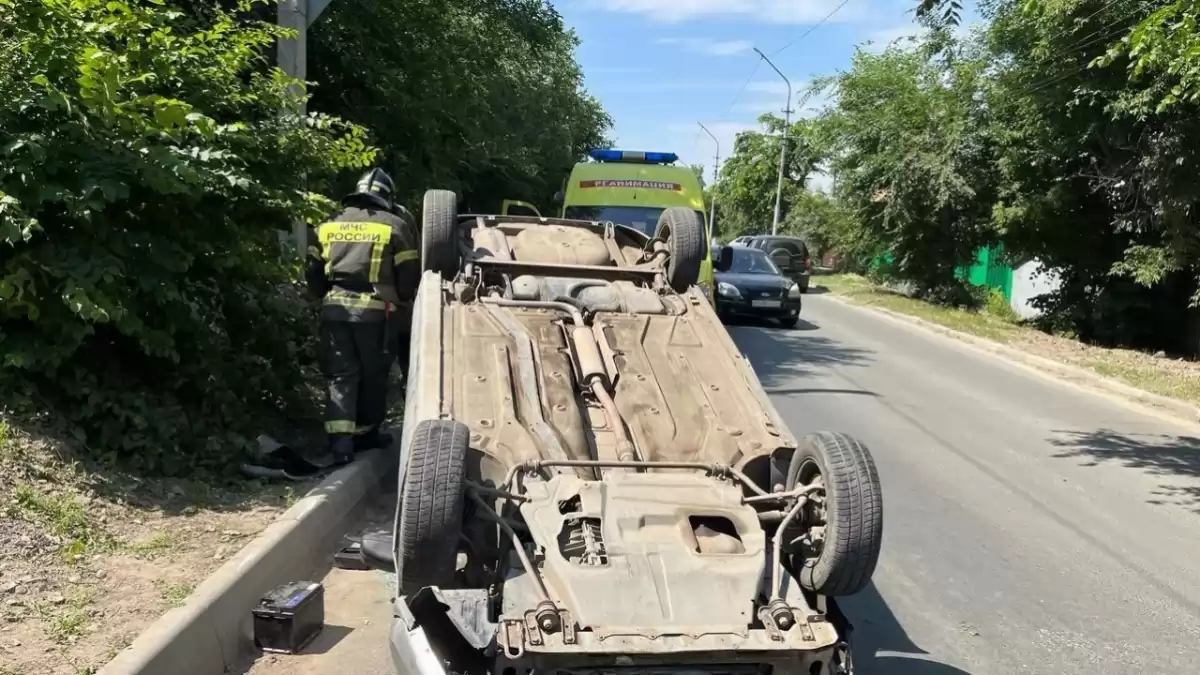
(661, 66)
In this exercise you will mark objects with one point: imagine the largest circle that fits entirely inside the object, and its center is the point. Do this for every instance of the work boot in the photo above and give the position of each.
(342, 447)
(372, 440)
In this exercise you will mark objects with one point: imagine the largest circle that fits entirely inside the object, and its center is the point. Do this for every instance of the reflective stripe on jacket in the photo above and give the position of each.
(369, 262)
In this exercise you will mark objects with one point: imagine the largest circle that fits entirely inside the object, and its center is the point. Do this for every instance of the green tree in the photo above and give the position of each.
(1097, 131)
(745, 190)
(823, 222)
(1093, 111)
(145, 172)
(1163, 55)
(1158, 43)
(484, 98)
(909, 146)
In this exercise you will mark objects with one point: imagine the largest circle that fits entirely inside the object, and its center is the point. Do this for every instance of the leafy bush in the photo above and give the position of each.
(145, 171)
(997, 305)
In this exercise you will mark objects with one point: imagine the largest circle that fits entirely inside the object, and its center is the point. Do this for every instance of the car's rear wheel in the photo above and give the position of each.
(683, 232)
(836, 548)
(431, 512)
(439, 224)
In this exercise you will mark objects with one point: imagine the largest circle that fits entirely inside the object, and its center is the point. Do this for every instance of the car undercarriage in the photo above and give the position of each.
(592, 478)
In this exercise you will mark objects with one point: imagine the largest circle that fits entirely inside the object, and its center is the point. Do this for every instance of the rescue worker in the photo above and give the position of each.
(364, 265)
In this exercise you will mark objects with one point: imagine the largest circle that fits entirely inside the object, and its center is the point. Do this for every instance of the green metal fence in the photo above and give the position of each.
(987, 270)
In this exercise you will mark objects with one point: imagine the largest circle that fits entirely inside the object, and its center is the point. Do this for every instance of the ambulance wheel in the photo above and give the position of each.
(836, 547)
(431, 499)
(683, 231)
(439, 224)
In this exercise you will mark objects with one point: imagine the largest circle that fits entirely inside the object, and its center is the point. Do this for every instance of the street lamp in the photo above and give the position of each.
(787, 122)
(712, 217)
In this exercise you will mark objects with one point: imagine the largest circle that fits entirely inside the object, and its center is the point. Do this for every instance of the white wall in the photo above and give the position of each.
(1029, 281)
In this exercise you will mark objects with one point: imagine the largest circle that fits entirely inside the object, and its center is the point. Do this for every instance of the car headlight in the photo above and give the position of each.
(794, 291)
(727, 290)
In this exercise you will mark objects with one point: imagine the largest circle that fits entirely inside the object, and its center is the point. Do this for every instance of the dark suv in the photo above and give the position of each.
(790, 255)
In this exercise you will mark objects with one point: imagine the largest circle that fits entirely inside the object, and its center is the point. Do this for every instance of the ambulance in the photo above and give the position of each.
(629, 188)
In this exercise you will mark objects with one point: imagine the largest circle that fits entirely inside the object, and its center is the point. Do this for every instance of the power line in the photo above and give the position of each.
(816, 26)
(1038, 86)
(758, 64)
(729, 108)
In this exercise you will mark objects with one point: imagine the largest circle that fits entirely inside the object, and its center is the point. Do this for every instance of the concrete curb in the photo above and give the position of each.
(1175, 408)
(212, 632)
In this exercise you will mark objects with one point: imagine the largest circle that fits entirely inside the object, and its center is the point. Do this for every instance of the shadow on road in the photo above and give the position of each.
(817, 289)
(1157, 454)
(881, 645)
(767, 323)
(779, 356)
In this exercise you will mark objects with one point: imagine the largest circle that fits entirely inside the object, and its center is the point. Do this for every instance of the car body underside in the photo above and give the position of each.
(592, 477)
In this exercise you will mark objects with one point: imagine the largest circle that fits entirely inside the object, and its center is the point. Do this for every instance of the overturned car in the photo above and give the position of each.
(592, 479)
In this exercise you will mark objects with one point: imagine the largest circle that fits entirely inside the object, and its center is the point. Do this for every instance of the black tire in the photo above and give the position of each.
(804, 287)
(439, 224)
(853, 513)
(684, 233)
(431, 513)
(789, 321)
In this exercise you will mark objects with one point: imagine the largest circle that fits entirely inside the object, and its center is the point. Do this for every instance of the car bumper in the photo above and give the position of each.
(465, 631)
(788, 307)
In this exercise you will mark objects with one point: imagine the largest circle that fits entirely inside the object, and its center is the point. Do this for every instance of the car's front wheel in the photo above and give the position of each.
(789, 321)
(836, 548)
(683, 232)
(439, 223)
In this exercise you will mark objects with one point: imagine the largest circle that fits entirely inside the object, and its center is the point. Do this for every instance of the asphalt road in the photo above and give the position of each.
(1029, 526)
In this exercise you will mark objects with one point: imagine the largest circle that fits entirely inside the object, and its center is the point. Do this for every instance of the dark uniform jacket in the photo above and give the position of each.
(364, 265)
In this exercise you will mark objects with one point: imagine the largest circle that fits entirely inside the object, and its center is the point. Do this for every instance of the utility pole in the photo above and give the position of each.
(292, 57)
(787, 123)
(712, 217)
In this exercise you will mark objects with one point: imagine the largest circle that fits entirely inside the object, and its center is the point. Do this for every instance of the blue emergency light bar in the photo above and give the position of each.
(633, 156)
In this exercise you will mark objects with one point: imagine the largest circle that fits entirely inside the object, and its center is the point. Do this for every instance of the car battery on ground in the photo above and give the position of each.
(289, 617)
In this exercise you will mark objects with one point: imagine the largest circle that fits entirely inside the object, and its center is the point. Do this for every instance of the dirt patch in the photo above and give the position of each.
(88, 560)
(1158, 374)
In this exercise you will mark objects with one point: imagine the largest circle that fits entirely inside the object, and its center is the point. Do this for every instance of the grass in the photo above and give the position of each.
(997, 324)
(174, 593)
(154, 547)
(64, 516)
(68, 620)
(1177, 379)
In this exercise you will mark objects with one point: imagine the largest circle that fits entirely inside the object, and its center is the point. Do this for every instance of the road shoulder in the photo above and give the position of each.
(1046, 367)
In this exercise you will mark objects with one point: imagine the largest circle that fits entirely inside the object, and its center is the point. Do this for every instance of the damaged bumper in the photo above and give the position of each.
(444, 632)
